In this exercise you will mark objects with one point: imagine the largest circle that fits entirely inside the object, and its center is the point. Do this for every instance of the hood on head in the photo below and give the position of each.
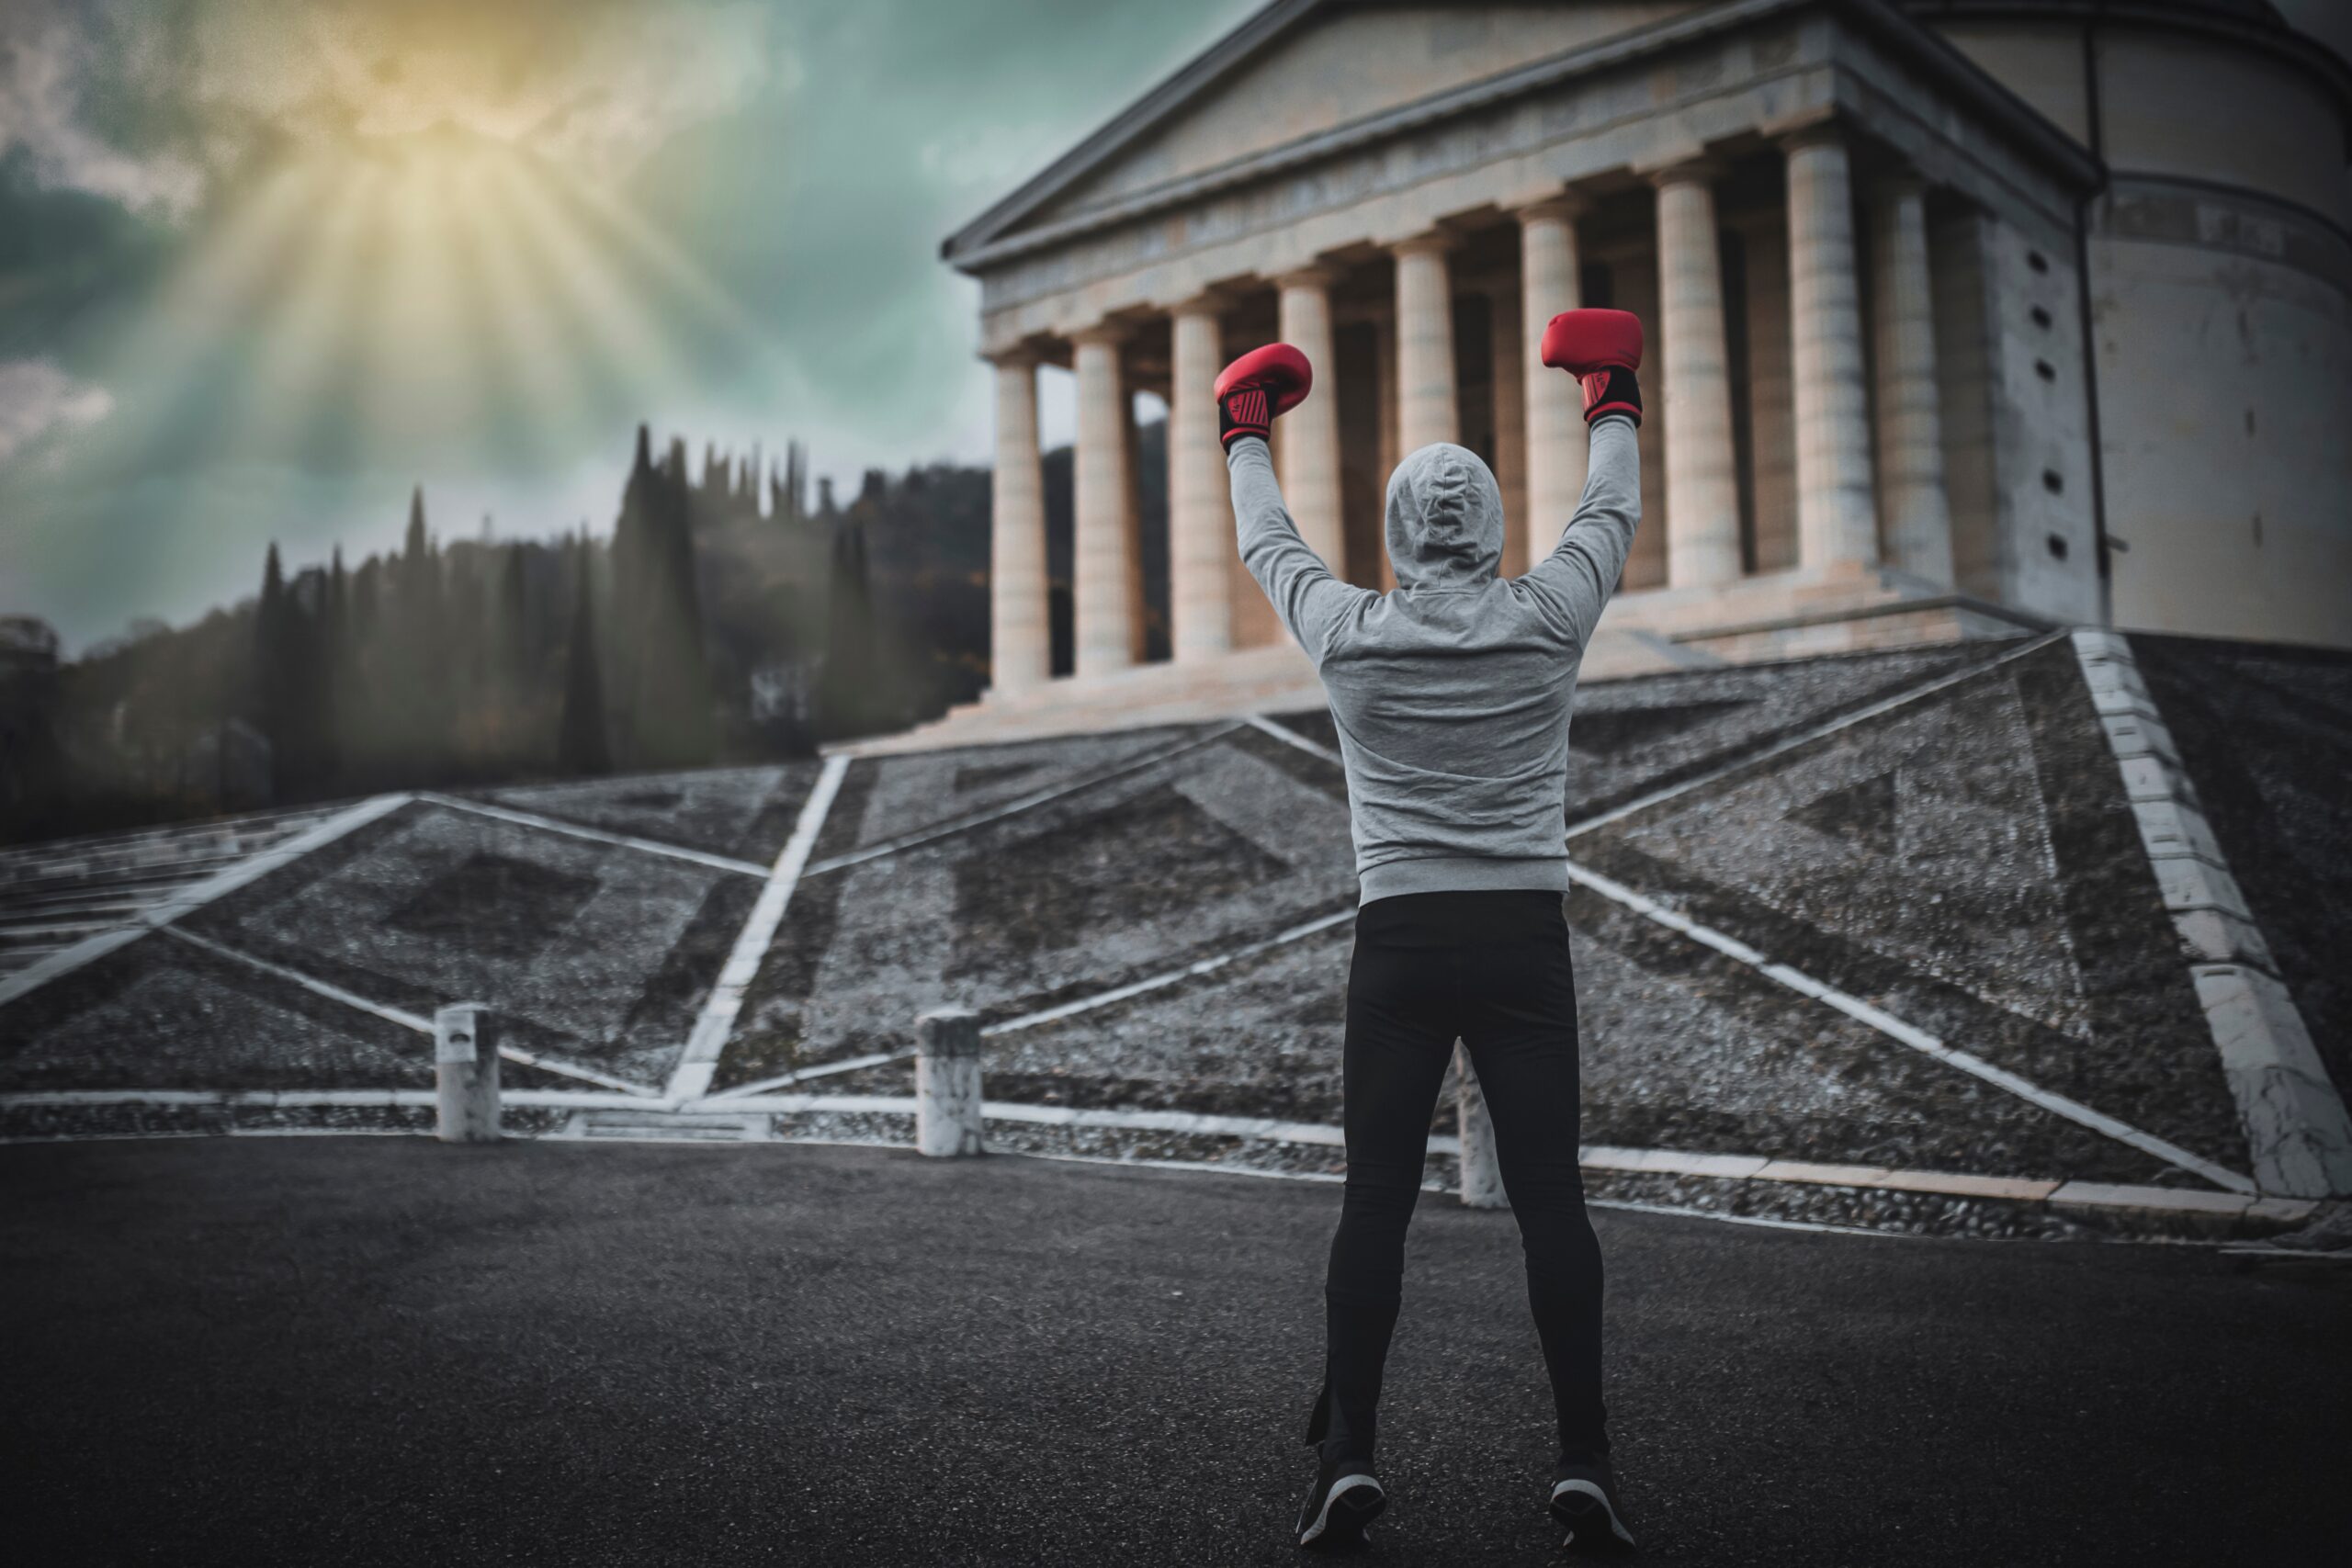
(1445, 519)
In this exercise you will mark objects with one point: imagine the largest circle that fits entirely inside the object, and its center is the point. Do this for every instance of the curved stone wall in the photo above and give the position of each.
(2219, 260)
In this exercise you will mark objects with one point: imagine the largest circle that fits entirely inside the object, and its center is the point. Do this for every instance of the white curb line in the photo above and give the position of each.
(1805, 984)
(2297, 1128)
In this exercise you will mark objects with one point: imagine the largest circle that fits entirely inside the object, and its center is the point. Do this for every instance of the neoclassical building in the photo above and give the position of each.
(1962, 313)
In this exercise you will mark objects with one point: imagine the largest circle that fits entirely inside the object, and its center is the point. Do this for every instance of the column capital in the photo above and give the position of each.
(1895, 186)
(1698, 169)
(1428, 242)
(1019, 357)
(1566, 206)
(1111, 333)
(1207, 302)
(1317, 275)
(1827, 132)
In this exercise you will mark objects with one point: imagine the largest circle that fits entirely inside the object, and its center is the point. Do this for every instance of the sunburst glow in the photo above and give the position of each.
(437, 287)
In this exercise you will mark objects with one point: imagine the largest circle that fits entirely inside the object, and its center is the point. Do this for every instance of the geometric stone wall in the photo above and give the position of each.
(1877, 910)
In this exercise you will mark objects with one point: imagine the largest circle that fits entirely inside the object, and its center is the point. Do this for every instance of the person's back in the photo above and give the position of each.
(1451, 695)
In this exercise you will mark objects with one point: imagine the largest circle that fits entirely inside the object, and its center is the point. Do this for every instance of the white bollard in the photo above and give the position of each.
(1482, 1173)
(947, 1082)
(464, 1073)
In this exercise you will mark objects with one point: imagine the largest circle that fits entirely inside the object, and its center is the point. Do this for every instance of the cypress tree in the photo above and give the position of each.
(514, 623)
(579, 738)
(629, 556)
(414, 693)
(848, 701)
(661, 673)
(275, 663)
(330, 652)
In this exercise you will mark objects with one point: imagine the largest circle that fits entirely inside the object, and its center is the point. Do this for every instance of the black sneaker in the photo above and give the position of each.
(1584, 1502)
(1344, 1502)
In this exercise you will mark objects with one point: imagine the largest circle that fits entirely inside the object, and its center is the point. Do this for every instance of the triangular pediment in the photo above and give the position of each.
(1297, 70)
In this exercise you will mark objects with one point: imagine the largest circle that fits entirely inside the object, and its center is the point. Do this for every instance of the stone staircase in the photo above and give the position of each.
(57, 893)
(1786, 615)
(1273, 679)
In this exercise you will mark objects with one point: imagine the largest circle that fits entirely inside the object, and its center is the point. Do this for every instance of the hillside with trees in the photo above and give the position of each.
(726, 618)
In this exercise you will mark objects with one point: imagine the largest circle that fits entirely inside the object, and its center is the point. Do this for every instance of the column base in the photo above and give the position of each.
(1841, 608)
(1271, 679)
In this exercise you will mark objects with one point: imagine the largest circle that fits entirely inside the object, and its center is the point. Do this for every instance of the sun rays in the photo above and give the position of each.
(393, 301)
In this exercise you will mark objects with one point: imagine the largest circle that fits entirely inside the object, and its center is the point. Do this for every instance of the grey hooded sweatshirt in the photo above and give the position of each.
(1450, 694)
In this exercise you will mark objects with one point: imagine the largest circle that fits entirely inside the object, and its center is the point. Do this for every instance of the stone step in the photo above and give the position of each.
(58, 933)
(146, 847)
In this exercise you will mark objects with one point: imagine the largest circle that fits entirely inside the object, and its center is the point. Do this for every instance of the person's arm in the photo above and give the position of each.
(1573, 583)
(1602, 349)
(1251, 393)
(1311, 601)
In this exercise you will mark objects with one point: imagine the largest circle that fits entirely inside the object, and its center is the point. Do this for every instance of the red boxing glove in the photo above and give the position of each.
(1601, 349)
(1260, 385)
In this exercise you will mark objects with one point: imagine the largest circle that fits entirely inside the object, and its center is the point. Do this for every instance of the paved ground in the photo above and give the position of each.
(382, 1350)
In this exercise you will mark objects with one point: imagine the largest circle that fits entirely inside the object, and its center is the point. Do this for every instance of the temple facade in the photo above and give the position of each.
(1962, 317)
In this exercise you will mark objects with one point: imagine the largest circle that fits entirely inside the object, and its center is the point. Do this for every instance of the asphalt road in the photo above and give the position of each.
(329, 1350)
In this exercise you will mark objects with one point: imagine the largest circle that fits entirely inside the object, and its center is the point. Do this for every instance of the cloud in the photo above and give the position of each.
(38, 400)
(143, 104)
(46, 61)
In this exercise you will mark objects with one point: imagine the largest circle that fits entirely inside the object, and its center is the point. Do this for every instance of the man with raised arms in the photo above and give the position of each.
(1451, 696)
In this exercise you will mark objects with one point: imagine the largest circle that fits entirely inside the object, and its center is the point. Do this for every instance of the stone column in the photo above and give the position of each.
(1425, 393)
(1836, 517)
(1383, 333)
(1200, 539)
(1104, 551)
(1701, 465)
(1556, 436)
(1508, 352)
(1309, 454)
(1020, 628)
(1911, 444)
(1131, 512)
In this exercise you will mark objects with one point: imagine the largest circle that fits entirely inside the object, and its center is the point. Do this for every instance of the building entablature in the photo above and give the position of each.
(1060, 255)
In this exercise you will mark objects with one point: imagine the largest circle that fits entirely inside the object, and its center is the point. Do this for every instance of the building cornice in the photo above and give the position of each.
(2280, 41)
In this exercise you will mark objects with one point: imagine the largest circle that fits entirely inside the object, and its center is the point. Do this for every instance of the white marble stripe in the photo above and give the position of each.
(1014, 808)
(821, 1070)
(1737, 765)
(1806, 986)
(1908, 1034)
(1593, 1157)
(1854, 1007)
(297, 1099)
(194, 896)
(1805, 737)
(1060, 1010)
(594, 835)
(691, 1079)
(416, 1021)
(1171, 976)
(316, 986)
(1292, 738)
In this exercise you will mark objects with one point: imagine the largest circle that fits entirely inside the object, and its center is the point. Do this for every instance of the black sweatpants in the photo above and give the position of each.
(1492, 969)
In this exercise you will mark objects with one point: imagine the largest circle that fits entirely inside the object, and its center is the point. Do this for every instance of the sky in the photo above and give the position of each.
(267, 264)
